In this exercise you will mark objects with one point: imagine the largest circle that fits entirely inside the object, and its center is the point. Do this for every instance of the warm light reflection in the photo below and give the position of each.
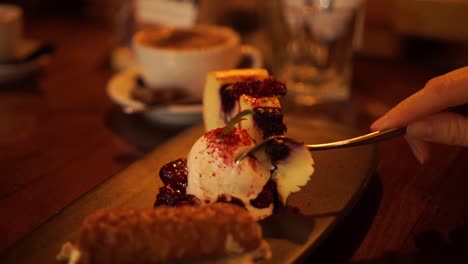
(325, 4)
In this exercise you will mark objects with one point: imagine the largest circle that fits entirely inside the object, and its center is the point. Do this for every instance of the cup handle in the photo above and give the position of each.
(254, 54)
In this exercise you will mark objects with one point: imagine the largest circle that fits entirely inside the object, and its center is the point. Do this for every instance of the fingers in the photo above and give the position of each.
(439, 93)
(446, 128)
(421, 112)
(419, 148)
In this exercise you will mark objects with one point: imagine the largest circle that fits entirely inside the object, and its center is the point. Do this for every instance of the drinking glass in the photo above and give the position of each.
(316, 60)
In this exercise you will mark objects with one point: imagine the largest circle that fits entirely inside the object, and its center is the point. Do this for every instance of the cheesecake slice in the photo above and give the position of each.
(217, 233)
(230, 92)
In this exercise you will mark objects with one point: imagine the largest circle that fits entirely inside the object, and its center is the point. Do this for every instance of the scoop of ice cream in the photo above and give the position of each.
(213, 175)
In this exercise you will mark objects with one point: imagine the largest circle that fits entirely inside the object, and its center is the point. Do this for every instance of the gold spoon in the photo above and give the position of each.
(350, 142)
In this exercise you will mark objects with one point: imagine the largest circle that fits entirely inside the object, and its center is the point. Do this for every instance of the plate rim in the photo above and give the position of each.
(307, 248)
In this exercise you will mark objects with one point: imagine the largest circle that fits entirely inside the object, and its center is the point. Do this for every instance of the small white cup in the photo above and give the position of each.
(11, 31)
(187, 68)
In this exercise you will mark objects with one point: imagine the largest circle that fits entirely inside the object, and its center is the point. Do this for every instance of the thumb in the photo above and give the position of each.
(446, 128)
(419, 148)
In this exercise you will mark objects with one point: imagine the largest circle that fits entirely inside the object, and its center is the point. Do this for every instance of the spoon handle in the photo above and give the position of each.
(360, 140)
(350, 142)
(377, 135)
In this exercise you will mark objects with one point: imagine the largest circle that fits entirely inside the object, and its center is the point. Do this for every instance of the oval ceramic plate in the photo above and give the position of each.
(340, 177)
(119, 89)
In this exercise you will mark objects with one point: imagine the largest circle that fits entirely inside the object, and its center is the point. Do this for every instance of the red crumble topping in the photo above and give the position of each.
(225, 141)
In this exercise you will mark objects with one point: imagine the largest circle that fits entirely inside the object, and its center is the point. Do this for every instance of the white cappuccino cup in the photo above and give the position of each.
(181, 57)
(11, 31)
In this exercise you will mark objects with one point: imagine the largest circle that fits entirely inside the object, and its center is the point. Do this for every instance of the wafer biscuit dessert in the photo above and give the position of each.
(166, 235)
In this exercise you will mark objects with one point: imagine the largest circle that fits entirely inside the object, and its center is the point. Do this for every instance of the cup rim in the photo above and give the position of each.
(233, 40)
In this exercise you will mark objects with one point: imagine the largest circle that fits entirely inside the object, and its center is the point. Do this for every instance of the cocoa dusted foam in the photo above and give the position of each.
(182, 39)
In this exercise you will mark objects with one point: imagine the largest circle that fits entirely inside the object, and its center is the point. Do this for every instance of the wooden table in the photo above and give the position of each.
(60, 136)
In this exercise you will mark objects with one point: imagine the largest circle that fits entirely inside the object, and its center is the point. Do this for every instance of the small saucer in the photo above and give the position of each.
(10, 72)
(119, 90)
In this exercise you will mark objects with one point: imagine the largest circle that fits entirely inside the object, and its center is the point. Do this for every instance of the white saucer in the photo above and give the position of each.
(119, 90)
(11, 72)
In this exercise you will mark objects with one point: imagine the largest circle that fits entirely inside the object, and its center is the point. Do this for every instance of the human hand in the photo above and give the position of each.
(423, 114)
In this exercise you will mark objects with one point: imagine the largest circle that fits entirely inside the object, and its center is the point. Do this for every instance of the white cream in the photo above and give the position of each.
(293, 172)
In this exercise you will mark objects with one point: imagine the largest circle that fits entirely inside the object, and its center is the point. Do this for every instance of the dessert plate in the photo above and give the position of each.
(294, 231)
(11, 72)
(119, 90)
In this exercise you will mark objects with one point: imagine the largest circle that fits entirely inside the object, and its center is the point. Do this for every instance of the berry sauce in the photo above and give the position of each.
(173, 193)
(228, 100)
(174, 174)
(267, 88)
(174, 177)
(256, 88)
(277, 150)
(266, 197)
(269, 120)
(140, 83)
(169, 197)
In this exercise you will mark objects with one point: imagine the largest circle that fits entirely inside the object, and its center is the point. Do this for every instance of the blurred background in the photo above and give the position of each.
(413, 39)
(61, 134)
(420, 31)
